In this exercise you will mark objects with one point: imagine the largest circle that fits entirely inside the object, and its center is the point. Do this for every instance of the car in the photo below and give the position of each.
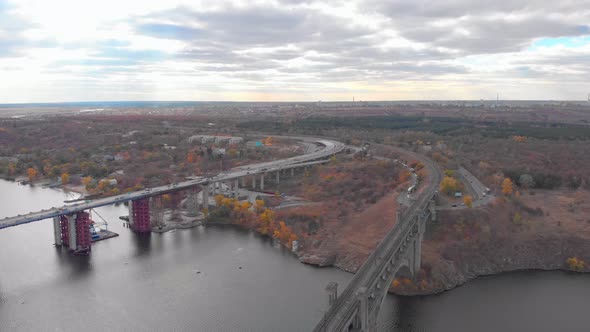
(454, 205)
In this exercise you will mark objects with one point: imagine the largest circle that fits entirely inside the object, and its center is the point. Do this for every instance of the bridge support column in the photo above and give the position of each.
(141, 215)
(63, 223)
(261, 182)
(83, 239)
(243, 178)
(278, 176)
(361, 320)
(57, 231)
(292, 171)
(253, 181)
(332, 290)
(432, 208)
(236, 187)
(416, 261)
(72, 243)
(205, 195)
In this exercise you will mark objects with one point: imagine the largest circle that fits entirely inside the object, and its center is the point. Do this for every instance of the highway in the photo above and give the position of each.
(329, 147)
(343, 309)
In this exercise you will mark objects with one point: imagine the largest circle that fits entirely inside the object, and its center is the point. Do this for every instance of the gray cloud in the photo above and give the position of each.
(485, 26)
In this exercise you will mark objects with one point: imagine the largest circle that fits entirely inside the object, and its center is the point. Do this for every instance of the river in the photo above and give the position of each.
(226, 279)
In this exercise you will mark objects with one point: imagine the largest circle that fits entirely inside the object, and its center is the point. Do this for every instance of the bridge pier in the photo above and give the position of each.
(361, 319)
(236, 187)
(57, 231)
(332, 290)
(72, 232)
(139, 215)
(253, 181)
(261, 182)
(432, 209)
(205, 195)
(278, 177)
(292, 171)
(243, 178)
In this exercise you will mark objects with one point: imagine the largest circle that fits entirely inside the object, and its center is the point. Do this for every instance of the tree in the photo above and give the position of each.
(526, 181)
(190, 157)
(86, 180)
(575, 264)
(507, 187)
(449, 185)
(31, 173)
(65, 178)
(468, 200)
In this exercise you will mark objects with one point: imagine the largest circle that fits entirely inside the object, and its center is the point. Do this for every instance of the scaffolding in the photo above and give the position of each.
(141, 215)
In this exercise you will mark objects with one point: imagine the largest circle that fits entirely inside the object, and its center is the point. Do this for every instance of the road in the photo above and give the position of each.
(330, 147)
(474, 187)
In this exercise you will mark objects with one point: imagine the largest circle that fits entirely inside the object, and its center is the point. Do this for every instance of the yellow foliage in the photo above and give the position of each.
(575, 263)
(449, 185)
(65, 178)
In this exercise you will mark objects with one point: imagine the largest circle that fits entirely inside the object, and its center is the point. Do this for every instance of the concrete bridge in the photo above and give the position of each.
(72, 224)
(357, 308)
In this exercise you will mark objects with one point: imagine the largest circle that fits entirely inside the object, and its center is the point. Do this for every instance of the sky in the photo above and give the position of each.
(293, 50)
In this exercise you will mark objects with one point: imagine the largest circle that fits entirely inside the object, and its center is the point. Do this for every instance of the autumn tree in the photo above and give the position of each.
(190, 157)
(507, 187)
(468, 200)
(65, 178)
(31, 173)
(575, 264)
(86, 180)
(449, 185)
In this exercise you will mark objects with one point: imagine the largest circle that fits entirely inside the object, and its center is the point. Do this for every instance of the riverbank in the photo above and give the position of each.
(534, 232)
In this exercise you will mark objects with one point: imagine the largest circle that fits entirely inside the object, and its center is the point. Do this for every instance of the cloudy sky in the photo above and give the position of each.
(293, 50)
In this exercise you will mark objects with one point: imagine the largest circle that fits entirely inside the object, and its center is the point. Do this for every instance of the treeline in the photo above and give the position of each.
(436, 125)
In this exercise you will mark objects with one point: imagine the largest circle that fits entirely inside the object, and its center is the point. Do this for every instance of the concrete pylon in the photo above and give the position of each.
(432, 208)
(332, 290)
(243, 181)
(72, 232)
(292, 171)
(253, 181)
(261, 182)
(361, 321)
(205, 195)
(278, 176)
(57, 231)
(236, 187)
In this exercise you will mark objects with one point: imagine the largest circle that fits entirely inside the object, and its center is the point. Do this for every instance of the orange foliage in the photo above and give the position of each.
(31, 173)
(507, 187)
(468, 200)
(86, 180)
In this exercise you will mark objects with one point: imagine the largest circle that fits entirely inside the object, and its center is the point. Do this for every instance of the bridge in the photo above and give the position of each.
(71, 223)
(357, 308)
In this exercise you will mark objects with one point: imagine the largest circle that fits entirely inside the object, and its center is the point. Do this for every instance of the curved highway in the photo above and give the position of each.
(329, 148)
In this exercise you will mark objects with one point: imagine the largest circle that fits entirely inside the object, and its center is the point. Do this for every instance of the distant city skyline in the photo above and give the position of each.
(293, 50)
